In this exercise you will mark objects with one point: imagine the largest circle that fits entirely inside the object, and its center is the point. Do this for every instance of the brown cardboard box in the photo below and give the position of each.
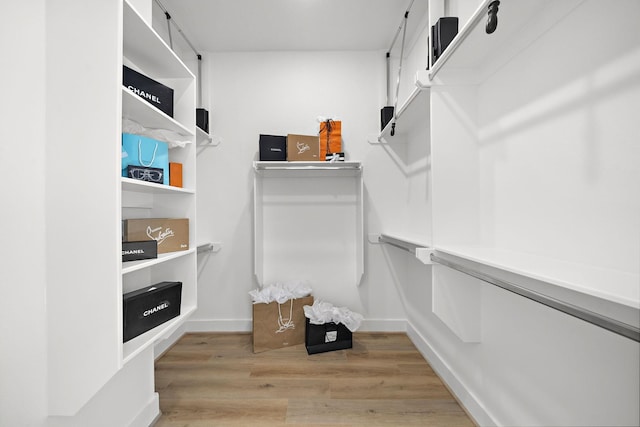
(172, 234)
(279, 325)
(303, 148)
(175, 174)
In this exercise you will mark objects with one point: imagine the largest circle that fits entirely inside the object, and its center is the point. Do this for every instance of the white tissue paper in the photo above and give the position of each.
(322, 312)
(172, 138)
(280, 292)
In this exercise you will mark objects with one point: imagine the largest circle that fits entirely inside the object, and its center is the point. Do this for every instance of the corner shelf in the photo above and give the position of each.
(204, 139)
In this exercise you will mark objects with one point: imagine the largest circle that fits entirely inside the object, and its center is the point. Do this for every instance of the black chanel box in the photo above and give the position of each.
(147, 174)
(136, 251)
(442, 34)
(327, 337)
(146, 308)
(202, 119)
(273, 148)
(155, 93)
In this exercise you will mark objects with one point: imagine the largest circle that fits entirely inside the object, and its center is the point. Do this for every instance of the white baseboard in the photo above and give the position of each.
(219, 325)
(383, 325)
(471, 404)
(149, 414)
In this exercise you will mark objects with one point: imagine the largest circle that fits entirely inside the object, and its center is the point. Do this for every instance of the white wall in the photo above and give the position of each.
(279, 93)
(23, 339)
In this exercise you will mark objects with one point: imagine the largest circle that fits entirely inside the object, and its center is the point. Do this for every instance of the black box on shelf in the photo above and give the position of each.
(155, 93)
(147, 174)
(273, 148)
(202, 119)
(327, 337)
(386, 114)
(136, 251)
(442, 33)
(146, 308)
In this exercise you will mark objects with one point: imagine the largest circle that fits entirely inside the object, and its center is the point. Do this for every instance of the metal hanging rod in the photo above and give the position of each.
(596, 319)
(320, 166)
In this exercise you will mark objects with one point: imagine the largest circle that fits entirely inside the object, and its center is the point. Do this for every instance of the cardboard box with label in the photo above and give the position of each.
(172, 234)
(303, 148)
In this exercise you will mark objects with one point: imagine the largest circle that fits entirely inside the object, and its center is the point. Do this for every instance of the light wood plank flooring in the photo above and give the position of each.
(214, 379)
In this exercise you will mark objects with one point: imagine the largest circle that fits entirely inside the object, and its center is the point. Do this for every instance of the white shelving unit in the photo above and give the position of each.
(517, 184)
(308, 216)
(146, 52)
(473, 55)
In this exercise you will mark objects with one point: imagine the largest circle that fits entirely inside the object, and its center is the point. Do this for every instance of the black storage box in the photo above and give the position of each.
(273, 148)
(155, 93)
(149, 307)
(386, 114)
(202, 119)
(442, 34)
(327, 337)
(136, 251)
(147, 174)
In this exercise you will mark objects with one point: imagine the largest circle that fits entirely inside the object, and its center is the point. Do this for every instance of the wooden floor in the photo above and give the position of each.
(214, 379)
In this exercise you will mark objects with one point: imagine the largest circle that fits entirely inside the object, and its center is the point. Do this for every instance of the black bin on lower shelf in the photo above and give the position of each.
(327, 337)
(146, 308)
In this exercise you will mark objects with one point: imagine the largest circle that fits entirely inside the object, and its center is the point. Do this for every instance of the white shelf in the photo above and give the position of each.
(204, 139)
(151, 53)
(137, 186)
(137, 109)
(138, 344)
(616, 286)
(308, 169)
(520, 22)
(131, 266)
(412, 113)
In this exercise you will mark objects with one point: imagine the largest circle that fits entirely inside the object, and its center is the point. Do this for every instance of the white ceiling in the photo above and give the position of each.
(268, 25)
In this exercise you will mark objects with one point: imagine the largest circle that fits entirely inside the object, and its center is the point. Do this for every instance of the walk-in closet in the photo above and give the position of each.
(436, 202)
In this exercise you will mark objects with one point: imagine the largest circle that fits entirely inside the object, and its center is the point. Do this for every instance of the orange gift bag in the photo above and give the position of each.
(330, 138)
